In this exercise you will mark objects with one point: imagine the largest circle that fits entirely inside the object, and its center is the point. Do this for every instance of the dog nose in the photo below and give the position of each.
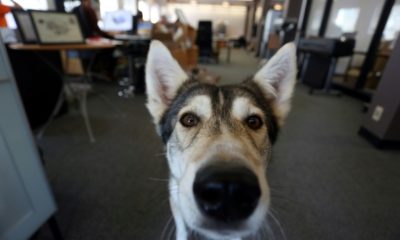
(226, 193)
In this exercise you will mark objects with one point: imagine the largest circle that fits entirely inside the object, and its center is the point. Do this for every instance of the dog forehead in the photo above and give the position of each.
(229, 101)
(242, 107)
(199, 104)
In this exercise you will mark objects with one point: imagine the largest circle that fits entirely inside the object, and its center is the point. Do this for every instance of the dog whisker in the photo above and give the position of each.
(158, 179)
(164, 202)
(171, 231)
(278, 224)
(265, 232)
(163, 234)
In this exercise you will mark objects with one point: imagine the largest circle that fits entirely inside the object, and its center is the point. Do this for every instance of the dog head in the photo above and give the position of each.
(218, 140)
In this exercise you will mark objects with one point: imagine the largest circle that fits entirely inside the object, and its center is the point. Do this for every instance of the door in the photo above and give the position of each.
(25, 198)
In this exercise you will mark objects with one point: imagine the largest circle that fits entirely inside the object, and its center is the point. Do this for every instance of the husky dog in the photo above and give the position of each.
(218, 142)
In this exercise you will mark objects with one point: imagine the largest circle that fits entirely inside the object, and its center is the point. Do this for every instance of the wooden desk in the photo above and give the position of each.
(62, 47)
(224, 43)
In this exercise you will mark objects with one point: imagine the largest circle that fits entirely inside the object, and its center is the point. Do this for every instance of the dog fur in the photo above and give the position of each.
(221, 132)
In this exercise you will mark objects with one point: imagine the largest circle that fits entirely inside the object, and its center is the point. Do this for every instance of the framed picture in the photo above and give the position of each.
(56, 27)
(24, 25)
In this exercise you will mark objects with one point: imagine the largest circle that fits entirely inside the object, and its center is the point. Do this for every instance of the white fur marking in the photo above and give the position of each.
(200, 105)
(242, 108)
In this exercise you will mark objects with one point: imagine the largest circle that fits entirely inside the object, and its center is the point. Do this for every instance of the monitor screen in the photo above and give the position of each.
(117, 21)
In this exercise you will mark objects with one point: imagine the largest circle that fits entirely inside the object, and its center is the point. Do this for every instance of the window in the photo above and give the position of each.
(30, 4)
(392, 26)
(108, 6)
(346, 19)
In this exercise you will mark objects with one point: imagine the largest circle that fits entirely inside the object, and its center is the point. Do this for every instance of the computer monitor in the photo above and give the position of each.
(25, 26)
(118, 21)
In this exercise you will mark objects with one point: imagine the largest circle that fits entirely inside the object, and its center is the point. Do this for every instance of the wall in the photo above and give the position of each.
(235, 16)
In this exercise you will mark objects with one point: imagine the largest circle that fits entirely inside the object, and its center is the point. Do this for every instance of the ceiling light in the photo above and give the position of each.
(278, 7)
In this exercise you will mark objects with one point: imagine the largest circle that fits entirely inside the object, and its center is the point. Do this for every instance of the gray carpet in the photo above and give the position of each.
(327, 182)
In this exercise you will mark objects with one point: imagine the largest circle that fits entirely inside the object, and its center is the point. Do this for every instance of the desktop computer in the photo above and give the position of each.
(118, 21)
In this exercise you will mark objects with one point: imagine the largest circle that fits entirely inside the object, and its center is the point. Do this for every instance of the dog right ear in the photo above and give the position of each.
(164, 77)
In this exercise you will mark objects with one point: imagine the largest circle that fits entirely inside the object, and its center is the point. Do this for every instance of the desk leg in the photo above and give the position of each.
(131, 69)
(228, 54)
(84, 112)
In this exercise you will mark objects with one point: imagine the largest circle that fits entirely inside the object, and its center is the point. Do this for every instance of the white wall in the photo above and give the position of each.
(235, 16)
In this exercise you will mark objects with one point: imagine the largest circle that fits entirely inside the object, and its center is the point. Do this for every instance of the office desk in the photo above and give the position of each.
(224, 43)
(39, 51)
(62, 47)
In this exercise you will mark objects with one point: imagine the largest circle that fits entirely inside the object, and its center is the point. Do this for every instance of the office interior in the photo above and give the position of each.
(80, 157)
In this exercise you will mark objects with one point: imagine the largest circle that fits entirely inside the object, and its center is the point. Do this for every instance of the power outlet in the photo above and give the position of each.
(377, 114)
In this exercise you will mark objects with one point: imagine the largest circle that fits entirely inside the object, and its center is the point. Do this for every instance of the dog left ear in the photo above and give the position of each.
(164, 77)
(277, 79)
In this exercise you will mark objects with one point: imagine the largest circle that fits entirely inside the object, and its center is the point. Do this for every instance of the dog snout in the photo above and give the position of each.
(226, 193)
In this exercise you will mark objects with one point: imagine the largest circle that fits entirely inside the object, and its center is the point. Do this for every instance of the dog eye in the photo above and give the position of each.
(254, 122)
(189, 120)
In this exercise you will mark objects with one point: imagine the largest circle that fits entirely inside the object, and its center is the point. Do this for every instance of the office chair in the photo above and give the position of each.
(204, 40)
(137, 53)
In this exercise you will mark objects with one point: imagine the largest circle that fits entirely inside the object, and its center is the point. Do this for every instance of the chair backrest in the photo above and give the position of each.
(204, 37)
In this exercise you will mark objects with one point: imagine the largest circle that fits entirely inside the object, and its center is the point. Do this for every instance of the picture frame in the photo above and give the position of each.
(53, 27)
(25, 26)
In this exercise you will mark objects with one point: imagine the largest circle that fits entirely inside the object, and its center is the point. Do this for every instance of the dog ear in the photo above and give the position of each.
(164, 76)
(277, 79)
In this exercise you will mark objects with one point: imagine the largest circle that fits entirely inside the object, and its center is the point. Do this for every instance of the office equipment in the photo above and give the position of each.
(320, 60)
(56, 27)
(25, 26)
(118, 21)
(334, 47)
